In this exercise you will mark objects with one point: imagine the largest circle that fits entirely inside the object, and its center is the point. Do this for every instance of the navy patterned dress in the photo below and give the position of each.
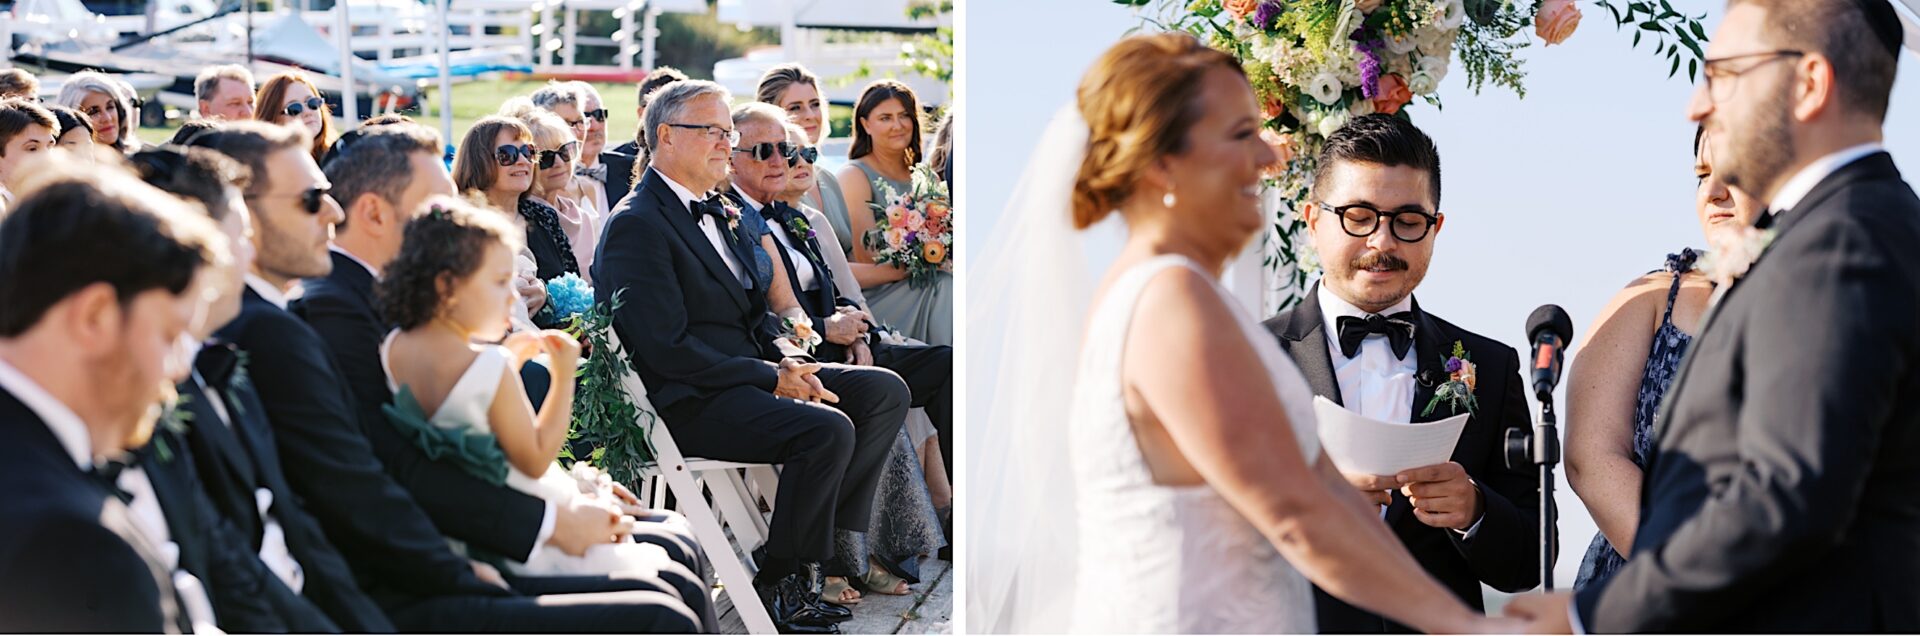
(1663, 362)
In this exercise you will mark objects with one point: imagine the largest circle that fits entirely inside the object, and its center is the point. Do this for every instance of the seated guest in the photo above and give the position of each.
(293, 580)
(548, 206)
(725, 381)
(188, 131)
(335, 467)
(568, 101)
(290, 98)
(886, 147)
(18, 83)
(495, 165)
(592, 172)
(384, 175)
(224, 93)
(97, 277)
(762, 164)
(76, 132)
(796, 91)
(109, 106)
(27, 133)
(627, 161)
(1627, 364)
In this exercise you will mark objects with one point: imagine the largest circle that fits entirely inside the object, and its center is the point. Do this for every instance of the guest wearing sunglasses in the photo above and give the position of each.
(291, 97)
(495, 166)
(591, 183)
(561, 228)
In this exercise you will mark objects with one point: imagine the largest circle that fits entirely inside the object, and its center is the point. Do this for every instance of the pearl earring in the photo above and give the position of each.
(1168, 200)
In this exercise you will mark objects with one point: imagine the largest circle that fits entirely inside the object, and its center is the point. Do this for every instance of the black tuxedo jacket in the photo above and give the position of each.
(1783, 494)
(692, 329)
(71, 559)
(1505, 551)
(619, 161)
(393, 547)
(340, 309)
(231, 462)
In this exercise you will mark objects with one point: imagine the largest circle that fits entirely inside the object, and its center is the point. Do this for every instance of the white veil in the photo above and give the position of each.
(1027, 297)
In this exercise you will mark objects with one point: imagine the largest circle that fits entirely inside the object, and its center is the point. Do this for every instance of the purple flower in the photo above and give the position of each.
(1369, 66)
(1453, 365)
(1264, 14)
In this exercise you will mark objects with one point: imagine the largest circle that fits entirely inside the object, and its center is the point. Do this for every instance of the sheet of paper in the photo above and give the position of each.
(1360, 444)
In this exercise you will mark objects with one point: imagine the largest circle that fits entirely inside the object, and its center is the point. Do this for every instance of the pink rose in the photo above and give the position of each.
(897, 216)
(1240, 8)
(1283, 150)
(896, 238)
(915, 221)
(1555, 20)
(1393, 93)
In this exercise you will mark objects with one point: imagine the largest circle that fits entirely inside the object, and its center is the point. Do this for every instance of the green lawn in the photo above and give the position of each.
(474, 100)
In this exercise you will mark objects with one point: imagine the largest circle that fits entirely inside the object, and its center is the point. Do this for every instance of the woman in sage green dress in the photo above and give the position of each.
(886, 145)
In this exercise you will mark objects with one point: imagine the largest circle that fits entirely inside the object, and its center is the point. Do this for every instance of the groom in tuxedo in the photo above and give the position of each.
(97, 284)
(1781, 494)
(1362, 341)
(727, 384)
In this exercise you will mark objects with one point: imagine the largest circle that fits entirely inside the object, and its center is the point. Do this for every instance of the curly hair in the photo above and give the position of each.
(444, 244)
(1139, 101)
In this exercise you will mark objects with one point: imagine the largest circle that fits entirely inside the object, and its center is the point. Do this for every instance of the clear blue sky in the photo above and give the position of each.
(1558, 198)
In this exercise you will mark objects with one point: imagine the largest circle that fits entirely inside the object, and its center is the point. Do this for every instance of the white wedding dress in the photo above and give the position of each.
(466, 407)
(1164, 559)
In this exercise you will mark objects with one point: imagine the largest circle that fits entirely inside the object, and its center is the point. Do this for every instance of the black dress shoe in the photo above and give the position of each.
(785, 599)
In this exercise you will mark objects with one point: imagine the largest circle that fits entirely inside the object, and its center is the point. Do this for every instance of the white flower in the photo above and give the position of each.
(1422, 83)
(1402, 44)
(1435, 67)
(1453, 13)
(1325, 88)
(1333, 121)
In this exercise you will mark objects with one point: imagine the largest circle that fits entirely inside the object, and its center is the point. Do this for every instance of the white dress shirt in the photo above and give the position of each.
(808, 280)
(1801, 183)
(266, 290)
(1373, 383)
(712, 230)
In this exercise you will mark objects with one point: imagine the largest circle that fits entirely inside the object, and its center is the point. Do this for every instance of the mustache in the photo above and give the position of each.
(1378, 260)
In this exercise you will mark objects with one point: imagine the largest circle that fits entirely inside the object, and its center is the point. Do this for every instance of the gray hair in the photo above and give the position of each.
(378, 162)
(670, 101)
(209, 80)
(75, 89)
(759, 111)
(586, 91)
(555, 94)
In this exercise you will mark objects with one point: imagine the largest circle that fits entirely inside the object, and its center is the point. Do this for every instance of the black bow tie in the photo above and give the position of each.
(781, 213)
(107, 474)
(1398, 329)
(1767, 219)
(216, 363)
(714, 206)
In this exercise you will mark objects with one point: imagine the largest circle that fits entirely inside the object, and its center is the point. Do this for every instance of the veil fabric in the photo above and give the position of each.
(1028, 295)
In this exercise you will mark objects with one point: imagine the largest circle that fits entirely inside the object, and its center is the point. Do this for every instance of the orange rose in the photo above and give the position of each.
(933, 252)
(1392, 94)
(1556, 20)
(1283, 149)
(1240, 8)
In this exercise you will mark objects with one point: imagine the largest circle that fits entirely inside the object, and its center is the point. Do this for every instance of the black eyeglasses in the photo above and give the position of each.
(570, 150)
(1361, 221)
(510, 154)
(809, 154)
(768, 150)
(598, 114)
(714, 133)
(312, 104)
(311, 199)
(1723, 90)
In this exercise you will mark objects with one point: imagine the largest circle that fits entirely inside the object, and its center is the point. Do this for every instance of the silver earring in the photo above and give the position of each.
(1168, 200)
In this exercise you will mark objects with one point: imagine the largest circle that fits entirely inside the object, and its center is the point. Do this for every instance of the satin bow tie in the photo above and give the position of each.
(779, 212)
(1398, 329)
(714, 206)
(107, 474)
(597, 172)
(216, 364)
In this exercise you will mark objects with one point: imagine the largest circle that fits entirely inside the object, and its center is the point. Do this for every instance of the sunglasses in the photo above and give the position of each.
(599, 114)
(509, 155)
(569, 150)
(312, 104)
(768, 150)
(809, 154)
(310, 200)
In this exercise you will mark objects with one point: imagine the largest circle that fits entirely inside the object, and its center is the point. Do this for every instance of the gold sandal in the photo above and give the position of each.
(835, 592)
(879, 581)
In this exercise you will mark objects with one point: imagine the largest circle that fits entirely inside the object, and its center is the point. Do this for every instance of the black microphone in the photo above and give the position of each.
(1550, 330)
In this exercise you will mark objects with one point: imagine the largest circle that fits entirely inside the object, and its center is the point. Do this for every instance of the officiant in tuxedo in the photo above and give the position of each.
(97, 285)
(1363, 341)
(1781, 494)
(694, 317)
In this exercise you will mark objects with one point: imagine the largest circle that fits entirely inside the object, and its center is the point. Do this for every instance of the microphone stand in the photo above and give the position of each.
(1546, 453)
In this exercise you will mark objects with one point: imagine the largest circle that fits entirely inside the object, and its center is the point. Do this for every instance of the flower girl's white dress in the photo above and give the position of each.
(465, 407)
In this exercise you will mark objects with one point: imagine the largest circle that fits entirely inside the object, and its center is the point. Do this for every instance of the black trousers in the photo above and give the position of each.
(621, 603)
(928, 370)
(832, 455)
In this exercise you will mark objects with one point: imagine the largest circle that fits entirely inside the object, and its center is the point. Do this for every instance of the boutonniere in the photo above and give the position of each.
(238, 382)
(174, 417)
(1457, 390)
(1731, 253)
(798, 226)
(733, 216)
(799, 331)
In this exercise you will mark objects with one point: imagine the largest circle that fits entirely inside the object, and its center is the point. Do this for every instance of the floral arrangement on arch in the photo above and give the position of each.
(1315, 64)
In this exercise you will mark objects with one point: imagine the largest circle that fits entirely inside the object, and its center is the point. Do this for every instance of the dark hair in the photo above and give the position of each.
(473, 164)
(387, 119)
(1861, 38)
(196, 174)
(80, 229)
(17, 83)
(1139, 100)
(267, 108)
(376, 160)
(69, 120)
(445, 244)
(658, 77)
(194, 128)
(249, 142)
(1383, 139)
(872, 97)
(16, 114)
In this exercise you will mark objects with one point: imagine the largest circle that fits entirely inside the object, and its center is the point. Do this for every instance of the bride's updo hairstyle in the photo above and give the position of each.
(1139, 100)
(439, 248)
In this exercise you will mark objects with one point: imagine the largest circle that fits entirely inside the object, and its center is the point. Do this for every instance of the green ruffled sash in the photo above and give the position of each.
(478, 453)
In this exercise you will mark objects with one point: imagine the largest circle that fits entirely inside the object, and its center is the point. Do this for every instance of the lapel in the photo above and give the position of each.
(810, 248)
(1430, 347)
(220, 436)
(680, 217)
(1305, 338)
